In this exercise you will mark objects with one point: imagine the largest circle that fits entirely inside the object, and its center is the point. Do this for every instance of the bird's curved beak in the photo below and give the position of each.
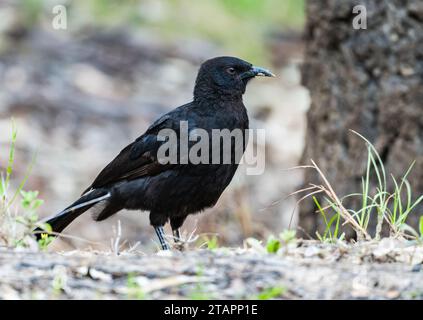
(256, 72)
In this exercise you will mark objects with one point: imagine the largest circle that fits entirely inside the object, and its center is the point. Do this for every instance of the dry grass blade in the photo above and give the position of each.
(274, 203)
(361, 232)
(115, 242)
(301, 199)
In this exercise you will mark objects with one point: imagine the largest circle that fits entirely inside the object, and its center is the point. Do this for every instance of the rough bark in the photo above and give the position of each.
(370, 81)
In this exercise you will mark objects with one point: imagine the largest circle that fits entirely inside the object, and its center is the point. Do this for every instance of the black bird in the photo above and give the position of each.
(137, 180)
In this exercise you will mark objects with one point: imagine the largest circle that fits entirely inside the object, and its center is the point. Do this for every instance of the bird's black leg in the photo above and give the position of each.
(161, 235)
(176, 223)
(176, 235)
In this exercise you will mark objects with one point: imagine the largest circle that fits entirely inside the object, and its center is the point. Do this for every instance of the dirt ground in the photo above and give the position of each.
(300, 270)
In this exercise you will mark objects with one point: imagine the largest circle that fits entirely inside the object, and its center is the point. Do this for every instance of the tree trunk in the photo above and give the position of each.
(369, 80)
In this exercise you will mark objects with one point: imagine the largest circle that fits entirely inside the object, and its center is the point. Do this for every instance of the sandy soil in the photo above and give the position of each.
(301, 270)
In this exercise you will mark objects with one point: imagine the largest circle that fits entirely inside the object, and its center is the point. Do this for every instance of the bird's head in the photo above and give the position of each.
(226, 77)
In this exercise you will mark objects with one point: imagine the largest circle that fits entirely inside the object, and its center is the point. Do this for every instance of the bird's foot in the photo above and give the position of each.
(183, 241)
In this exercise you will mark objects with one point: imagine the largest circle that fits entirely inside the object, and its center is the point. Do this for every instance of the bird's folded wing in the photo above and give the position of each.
(136, 160)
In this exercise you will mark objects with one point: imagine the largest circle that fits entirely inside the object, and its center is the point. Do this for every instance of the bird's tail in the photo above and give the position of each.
(60, 221)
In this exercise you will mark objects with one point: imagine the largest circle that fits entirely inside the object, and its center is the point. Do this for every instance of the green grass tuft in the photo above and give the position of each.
(18, 218)
(389, 207)
(271, 293)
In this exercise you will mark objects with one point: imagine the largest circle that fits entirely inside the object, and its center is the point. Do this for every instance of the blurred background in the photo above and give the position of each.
(80, 95)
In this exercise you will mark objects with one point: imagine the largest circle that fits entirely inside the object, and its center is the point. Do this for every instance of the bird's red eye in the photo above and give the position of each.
(230, 70)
